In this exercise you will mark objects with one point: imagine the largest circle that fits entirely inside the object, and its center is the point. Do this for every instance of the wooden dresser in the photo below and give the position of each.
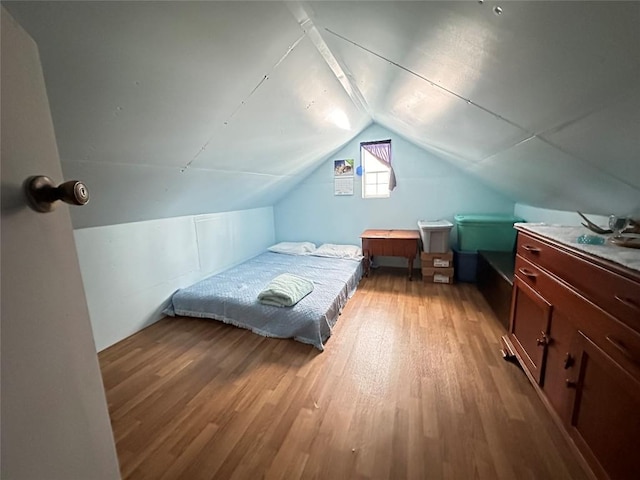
(575, 330)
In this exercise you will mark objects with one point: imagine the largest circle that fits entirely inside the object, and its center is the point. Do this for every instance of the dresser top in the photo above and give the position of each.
(568, 236)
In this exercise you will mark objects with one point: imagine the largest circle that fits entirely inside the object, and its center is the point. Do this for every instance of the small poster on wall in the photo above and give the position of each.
(343, 176)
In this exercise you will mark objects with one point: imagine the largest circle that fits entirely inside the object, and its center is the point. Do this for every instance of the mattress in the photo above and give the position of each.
(232, 296)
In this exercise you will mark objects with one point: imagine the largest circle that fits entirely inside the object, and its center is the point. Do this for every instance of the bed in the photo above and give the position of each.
(232, 296)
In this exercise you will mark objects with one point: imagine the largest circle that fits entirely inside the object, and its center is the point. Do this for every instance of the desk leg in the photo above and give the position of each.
(367, 263)
(410, 265)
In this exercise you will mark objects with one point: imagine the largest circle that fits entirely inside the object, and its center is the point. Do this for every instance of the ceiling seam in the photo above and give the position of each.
(242, 172)
(517, 144)
(430, 82)
(424, 144)
(587, 162)
(244, 102)
(531, 134)
(265, 78)
(599, 108)
(556, 147)
(602, 105)
(171, 167)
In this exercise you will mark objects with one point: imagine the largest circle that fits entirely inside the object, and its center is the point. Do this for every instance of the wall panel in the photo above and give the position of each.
(130, 270)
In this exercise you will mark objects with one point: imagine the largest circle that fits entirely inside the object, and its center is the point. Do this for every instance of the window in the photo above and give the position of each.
(378, 178)
(375, 176)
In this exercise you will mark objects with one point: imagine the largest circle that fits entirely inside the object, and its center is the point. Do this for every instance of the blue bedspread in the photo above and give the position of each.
(232, 296)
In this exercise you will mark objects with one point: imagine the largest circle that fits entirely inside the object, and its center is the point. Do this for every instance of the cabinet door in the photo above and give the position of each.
(605, 415)
(560, 361)
(530, 315)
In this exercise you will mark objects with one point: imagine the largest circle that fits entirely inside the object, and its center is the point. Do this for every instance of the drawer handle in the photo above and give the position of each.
(622, 348)
(628, 302)
(531, 249)
(544, 340)
(568, 361)
(527, 273)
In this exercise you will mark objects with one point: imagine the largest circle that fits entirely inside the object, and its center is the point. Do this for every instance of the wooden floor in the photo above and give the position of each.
(411, 385)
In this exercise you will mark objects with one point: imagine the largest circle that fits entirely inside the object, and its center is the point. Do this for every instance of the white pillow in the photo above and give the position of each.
(352, 252)
(293, 248)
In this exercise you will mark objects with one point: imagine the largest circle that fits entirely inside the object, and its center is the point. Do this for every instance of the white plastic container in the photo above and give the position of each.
(435, 235)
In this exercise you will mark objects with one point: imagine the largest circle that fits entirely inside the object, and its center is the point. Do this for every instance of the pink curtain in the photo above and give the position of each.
(382, 151)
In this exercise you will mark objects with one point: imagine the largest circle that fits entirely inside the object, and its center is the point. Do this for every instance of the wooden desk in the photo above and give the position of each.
(390, 243)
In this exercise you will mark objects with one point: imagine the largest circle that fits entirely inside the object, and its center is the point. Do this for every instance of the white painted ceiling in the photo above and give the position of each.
(175, 108)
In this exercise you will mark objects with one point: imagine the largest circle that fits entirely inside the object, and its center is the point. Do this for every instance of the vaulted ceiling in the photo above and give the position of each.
(174, 108)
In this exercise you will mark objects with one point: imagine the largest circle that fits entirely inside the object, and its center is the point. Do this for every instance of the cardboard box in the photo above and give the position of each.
(437, 275)
(437, 260)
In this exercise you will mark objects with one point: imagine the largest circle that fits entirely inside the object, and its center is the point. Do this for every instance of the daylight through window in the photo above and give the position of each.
(377, 177)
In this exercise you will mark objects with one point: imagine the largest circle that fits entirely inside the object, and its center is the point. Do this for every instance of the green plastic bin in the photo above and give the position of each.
(486, 232)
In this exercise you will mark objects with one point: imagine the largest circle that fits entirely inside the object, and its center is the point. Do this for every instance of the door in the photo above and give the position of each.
(560, 360)
(55, 423)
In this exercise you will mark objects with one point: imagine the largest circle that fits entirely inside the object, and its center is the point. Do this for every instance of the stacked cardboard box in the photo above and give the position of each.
(437, 267)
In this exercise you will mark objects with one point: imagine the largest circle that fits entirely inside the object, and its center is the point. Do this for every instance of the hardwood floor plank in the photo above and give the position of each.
(411, 385)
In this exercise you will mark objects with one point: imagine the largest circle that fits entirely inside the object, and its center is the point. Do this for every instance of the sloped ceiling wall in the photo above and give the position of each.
(176, 108)
(542, 101)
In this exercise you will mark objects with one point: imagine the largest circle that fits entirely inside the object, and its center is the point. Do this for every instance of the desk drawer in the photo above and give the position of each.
(390, 247)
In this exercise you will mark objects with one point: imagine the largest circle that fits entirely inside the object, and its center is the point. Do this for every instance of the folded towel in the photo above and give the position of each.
(285, 290)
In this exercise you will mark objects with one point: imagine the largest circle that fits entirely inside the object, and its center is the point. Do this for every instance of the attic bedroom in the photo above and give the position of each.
(402, 178)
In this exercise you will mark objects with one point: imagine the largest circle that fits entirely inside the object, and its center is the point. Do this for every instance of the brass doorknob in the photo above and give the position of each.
(42, 193)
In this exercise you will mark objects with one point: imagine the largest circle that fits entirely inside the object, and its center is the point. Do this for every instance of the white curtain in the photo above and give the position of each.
(382, 151)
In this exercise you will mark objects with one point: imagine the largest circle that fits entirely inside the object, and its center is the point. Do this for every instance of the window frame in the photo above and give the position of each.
(366, 175)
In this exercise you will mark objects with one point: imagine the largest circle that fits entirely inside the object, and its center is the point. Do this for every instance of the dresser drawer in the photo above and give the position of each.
(556, 292)
(536, 277)
(617, 295)
(616, 339)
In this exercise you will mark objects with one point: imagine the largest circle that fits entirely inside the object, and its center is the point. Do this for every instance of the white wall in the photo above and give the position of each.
(428, 189)
(130, 270)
